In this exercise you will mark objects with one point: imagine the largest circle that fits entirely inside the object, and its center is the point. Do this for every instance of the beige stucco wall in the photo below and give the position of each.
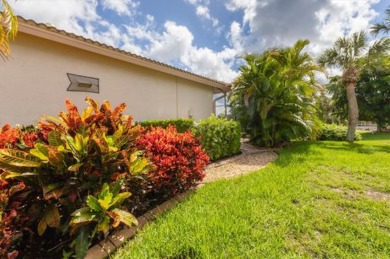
(34, 82)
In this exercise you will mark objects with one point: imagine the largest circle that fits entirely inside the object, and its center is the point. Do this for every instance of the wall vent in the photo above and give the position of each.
(80, 83)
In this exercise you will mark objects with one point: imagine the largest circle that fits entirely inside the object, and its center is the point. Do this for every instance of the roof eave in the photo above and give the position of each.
(52, 34)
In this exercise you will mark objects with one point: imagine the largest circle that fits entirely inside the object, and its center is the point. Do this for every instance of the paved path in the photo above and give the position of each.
(251, 159)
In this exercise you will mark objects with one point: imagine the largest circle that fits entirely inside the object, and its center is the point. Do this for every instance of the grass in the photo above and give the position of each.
(319, 199)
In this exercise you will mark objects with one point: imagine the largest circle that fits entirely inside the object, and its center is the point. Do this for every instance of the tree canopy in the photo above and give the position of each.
(273, 96)
(352, 54)
(372, 93)
(383, 26)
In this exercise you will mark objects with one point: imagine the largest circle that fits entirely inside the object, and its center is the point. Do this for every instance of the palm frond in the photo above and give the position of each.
(382, 27)
(381, 46)
(8, 29)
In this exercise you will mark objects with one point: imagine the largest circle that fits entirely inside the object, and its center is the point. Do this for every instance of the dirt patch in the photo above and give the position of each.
(352, 195)
(378, 196)
(338, 190)
(347, 194)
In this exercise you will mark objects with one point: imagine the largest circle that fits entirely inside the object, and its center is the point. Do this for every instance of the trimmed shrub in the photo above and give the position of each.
(219, 137)
(336, 132)
(178, 158)
(182, 125)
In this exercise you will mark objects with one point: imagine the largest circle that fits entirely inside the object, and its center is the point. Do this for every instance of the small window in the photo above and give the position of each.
(83, 83)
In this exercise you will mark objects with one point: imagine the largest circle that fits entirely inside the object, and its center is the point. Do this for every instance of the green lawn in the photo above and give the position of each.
(319, 199)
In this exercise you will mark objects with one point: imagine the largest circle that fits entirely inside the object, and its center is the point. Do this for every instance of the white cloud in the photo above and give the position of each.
(144, 31)
(235, 37)
(211, 64)
(248, 6)
(343, 18)
(197, 2)
(64, 15)
(176, 44)
(204, 12)
(122, 7)
(282, 23)
(172, 43)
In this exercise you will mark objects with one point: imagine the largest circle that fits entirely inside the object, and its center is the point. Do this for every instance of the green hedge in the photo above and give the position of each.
(219, 137)
(182, 125)
(336, 132)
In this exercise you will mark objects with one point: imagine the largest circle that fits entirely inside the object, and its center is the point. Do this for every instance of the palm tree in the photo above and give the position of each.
(272, 97)
(383, 26)
(351, 54)
(8, 28)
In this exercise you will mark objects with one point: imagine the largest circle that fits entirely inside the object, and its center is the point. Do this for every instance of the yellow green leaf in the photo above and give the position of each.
(52, 216)
(104, 204)
(54, 139)
(42, 226)
(119, 199)
(93, 203)
(104, 225)
(139, 165)
(40, 151)
(75, 167)
(82, 215)
(86, 113)
(125, 217)
(18, 158)
(12, 175)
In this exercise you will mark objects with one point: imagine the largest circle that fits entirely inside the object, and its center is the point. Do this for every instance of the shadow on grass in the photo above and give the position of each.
(357, 147)
(186, 253)
(297, 152)
(385, 136)
(300, 150)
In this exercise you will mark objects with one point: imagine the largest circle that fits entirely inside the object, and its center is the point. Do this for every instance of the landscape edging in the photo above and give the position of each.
(107, 246)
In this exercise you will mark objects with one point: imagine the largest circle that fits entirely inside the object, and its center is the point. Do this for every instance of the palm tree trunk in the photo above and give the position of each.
(353, 111)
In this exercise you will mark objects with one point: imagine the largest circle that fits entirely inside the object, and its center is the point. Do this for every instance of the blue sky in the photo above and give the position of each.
(206, 37)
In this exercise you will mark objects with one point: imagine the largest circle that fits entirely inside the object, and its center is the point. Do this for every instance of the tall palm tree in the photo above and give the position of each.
(351, 54)
(383, 26)
(8, 28)
(272, 97)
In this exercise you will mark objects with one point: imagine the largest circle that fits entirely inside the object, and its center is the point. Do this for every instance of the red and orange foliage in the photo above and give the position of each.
(50, 174)
(178, 158)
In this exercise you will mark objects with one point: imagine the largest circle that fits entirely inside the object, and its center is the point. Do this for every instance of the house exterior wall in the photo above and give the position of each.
(34, 82)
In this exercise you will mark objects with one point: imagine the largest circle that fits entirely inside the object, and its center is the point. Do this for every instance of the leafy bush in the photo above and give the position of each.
(178, 157)
(219, 137)
(182, 125)
(49, 177)
(67, 182)
(335, 132)
(8, 136)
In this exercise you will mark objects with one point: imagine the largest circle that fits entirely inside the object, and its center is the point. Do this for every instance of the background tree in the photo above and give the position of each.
(273, 96)
(328, 110)
(339, 102)
(8, 28)
(372, 93)
(383, 26)
(351, 54)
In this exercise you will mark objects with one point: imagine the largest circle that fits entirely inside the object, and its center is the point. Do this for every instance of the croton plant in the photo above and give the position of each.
(63, 182)
(70, 180)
